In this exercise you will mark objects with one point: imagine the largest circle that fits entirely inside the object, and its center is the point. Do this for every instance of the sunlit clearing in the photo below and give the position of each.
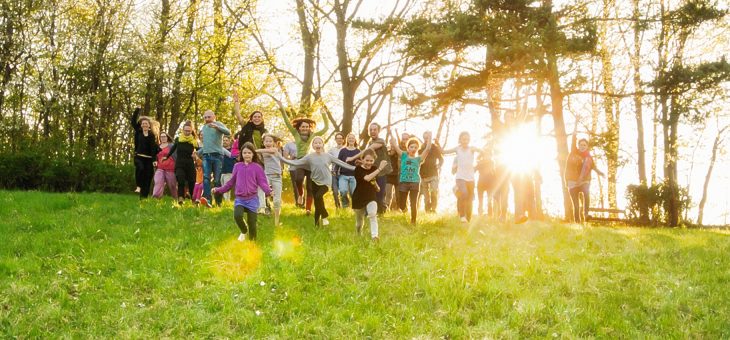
(234, 260)
(287, 245)
(521, 150)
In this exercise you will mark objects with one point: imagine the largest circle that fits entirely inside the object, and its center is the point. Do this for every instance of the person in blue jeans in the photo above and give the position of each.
(346, 180)
(212, 154)
(335, 152)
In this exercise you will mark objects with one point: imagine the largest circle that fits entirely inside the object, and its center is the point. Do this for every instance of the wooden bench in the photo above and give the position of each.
(606, 215)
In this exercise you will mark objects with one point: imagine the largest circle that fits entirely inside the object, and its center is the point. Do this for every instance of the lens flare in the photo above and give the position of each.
(521, 150)
(234, 260)
(287, 244)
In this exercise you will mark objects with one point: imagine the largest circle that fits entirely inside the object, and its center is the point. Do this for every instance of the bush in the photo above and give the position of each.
(29, 171)
(654, 200)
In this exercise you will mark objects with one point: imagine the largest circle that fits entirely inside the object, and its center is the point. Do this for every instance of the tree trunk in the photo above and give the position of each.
(638, 101)
(708, 176)
(159, 70)
(346, 82)
(638, 98)
(310, 40)
(611, 110)
(561, 137)
(176, 94)
(7, 50)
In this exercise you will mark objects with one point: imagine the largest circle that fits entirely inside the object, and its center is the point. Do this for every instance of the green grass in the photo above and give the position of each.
(96, 265)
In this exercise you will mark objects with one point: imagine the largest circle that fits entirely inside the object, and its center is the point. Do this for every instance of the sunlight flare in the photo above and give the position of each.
(234, 260)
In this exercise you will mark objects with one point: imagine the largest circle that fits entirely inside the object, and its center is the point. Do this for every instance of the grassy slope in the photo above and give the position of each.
(102, 265)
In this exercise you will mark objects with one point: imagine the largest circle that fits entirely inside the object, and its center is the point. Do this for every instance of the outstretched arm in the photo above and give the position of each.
(230, 184)
(173, 148)
(271, 151)
(449, 151)
(341, 163)
(294, 162)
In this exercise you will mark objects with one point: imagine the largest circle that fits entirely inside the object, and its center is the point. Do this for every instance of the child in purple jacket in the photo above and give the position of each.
(248, 176)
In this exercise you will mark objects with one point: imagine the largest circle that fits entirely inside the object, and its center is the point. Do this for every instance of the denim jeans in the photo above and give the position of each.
(212, 162)
(346, 185)
(575, 193)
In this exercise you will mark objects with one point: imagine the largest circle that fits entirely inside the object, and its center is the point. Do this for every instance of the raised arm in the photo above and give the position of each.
(394, 145)
(326, 125)
(134, 121)
(237, 109)
(290, 127)
(574, 140)
(426, 150)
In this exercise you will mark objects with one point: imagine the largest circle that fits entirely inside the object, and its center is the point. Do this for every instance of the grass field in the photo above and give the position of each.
(96, 265)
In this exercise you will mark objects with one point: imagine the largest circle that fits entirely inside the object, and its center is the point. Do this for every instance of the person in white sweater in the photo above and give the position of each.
(319, 164)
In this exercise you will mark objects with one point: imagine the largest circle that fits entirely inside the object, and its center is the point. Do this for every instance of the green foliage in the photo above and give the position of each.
(33, 170)
(516, 34)
(693, 13)
(654, 199)
(681, 79)
(100, 265)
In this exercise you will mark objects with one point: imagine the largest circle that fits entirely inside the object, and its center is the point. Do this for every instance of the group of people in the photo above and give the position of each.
(385, 175)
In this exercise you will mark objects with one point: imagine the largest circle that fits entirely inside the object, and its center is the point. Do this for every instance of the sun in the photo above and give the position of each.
(522, 150)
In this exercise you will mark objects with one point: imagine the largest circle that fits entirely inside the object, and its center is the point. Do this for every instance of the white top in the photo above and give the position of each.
(334, 152)
(464, 164)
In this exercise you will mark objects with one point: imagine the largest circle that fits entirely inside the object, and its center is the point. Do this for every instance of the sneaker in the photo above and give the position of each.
(242, 237)
(376, 239)
(463, 219)
(180, 202)
(137, 189)
(309, 212)
(521, 219)
(205, 203)
(325, 221)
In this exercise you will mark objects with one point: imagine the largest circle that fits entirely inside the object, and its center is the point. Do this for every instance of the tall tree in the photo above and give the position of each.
(678, 85)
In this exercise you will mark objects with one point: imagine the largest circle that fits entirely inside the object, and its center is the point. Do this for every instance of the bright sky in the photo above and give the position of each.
(280, 30)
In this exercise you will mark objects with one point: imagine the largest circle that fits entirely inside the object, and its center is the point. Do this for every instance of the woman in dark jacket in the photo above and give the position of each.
(185, 145)
(251, 130)
(145, 153)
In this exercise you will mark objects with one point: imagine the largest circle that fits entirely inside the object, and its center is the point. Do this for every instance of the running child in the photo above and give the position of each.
(318, 164)
(248, 178)
(464, 175)
(273, 170)
(410, 167)
(364, 198)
